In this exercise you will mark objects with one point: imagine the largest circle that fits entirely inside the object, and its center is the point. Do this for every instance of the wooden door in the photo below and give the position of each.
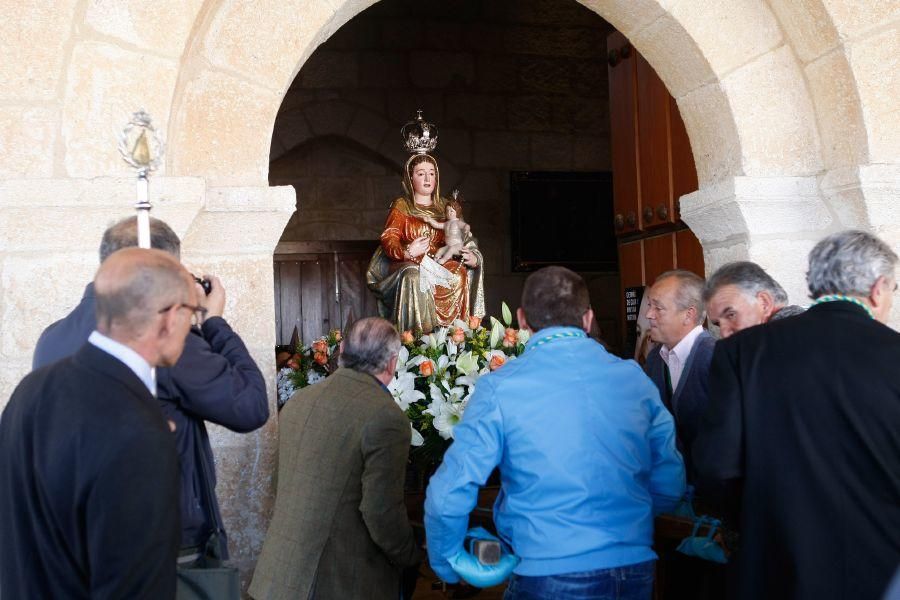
(653, 147)
(320, 286)
(622, 113)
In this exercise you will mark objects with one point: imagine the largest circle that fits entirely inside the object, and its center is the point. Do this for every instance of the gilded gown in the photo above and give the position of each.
(395, 281)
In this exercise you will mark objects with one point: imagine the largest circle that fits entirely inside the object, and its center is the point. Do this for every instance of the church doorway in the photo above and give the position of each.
(514, 87)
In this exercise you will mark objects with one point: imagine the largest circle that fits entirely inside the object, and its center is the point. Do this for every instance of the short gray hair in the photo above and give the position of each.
(133, 285)
(749, 277)
(123, 234)
(849, 263)
(689, 292)
(369, 345)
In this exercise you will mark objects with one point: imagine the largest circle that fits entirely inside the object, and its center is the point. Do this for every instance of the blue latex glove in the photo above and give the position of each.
(473, 572)
(704, 547)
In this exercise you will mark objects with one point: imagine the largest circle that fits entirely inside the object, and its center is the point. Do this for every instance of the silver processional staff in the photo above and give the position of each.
(140, 147)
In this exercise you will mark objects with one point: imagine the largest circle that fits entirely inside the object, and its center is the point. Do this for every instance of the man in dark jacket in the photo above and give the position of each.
(88, 467)
(215, 380)
(803, 433)
(679, 366)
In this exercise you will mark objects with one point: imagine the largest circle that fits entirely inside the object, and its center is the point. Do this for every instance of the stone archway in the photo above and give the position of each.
(774, 101)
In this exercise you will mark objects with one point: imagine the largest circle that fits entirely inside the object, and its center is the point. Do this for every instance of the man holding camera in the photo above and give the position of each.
(215, 380)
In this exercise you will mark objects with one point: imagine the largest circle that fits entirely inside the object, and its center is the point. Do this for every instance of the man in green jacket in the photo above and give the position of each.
(340, 528)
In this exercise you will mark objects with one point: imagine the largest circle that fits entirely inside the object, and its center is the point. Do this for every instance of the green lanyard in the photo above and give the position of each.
(557, 336)
(842, 298)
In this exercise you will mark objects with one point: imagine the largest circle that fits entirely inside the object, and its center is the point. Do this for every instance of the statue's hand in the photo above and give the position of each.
(418, 247)
(469, 258)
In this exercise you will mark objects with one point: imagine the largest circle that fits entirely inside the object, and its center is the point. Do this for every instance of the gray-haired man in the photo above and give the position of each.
(803, 436)
(340, 528)
(741, 294)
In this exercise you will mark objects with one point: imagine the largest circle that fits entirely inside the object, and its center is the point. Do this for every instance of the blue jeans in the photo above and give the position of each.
(631, 582)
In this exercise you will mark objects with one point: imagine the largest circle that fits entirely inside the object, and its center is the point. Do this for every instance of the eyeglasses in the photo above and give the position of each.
(198, 313)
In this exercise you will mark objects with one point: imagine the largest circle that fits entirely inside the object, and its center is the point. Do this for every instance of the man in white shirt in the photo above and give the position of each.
(679, 366)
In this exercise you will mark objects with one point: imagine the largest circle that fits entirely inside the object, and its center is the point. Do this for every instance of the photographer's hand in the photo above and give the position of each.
(215, 302)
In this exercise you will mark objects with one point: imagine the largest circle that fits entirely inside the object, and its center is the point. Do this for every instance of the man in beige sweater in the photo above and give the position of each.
(340, 528)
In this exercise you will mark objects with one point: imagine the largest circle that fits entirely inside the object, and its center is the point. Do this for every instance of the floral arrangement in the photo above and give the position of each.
(308, 365)
(435, 377)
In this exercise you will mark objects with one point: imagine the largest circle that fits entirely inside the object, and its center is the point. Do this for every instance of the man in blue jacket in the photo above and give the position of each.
(215, 380)
(586, 453)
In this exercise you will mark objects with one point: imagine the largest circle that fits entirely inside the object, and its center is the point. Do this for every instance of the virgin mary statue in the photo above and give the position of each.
(413, 290)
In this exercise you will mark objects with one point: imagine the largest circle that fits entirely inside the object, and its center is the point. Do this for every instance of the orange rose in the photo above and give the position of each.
(407, 337)
(337, 335)
(497, 361)
(320, 358)
(474, 322)
(320, 346)
(509, 338)
(458, 335)
(426, 368)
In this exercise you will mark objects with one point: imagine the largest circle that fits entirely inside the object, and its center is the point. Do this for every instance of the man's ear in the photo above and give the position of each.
(587, 319)
(166, 325)
(523, 323)
(392, 365)
(880, 293)
(767, 302)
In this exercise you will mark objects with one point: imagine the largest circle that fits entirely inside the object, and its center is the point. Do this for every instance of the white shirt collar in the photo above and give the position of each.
(676, 358)
(132, 359)
(683, 348)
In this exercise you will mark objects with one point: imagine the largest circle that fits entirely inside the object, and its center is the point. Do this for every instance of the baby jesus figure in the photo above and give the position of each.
(455, 231)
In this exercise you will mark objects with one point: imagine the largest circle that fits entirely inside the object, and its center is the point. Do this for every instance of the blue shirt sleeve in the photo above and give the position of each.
(453, 490)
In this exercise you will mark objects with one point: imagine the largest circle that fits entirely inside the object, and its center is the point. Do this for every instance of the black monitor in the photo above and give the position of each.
(563, 218)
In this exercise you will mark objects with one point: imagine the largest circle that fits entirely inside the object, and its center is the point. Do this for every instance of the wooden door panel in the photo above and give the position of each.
(689, 252)
(311, 282)
(653, 147)
(684, 172)
(289, 309)
(622, 114)
(631, 264)
(659, 256)
(307, 277)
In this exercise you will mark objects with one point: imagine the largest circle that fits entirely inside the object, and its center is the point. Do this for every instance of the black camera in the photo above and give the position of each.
(206, 284)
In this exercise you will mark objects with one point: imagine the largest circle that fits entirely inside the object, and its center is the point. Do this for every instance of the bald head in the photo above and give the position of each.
(133, 285)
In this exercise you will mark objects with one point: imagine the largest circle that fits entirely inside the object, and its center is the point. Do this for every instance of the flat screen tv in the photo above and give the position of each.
(563, 218)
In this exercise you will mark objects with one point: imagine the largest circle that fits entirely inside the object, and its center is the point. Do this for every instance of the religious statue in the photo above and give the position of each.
(414, 290)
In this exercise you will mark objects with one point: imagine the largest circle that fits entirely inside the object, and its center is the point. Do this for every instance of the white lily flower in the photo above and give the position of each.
(429, 340)
(416, 437)
(469, 380)
(416, 361)
(497, 332)
(523, 335)
(402, 358)
(403, 389)
(449, 416)
(462, 325)
(443, 362)
(466, 363)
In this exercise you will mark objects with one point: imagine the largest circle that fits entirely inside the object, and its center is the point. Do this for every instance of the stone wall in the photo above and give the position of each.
(511, 88)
